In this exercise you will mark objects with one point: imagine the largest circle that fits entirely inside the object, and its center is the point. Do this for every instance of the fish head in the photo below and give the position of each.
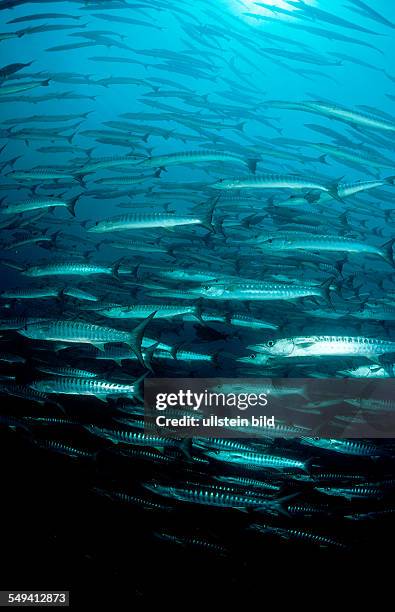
(209, 290)
(277, 348)
(254, 359)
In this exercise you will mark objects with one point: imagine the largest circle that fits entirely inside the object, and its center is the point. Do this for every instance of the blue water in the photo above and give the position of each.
(220, 68)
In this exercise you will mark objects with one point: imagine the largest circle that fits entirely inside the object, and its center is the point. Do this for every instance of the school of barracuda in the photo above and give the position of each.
(178, 200)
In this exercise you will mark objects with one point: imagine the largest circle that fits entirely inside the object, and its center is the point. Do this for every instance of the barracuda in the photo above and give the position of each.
(65, 449)
(357, 118)
(326, 346)
(79, 294)
(249, 483)
(134, 500)
(242, 320)
(137, 438)
(140, 311)
(68, 268)
(355, 492)
(345, 447)
(31, 294)
(71, 385)
(149, 220)
(358, 156)
(294, 241)
(191, 157)
(298, 534)
(255, 460)
(41, 174)
(278, 181)
(25, 393)
(257, 291)
(108, 162)
(66, 371)
(216, 495)
(41, 204)
(8, 90)
(86, 333)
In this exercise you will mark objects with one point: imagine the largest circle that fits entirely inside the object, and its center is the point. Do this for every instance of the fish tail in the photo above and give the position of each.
(148, 356)
(72, 203)
(185, 446)
(278, 506)
(115, 268)
(387, 251)
(136, 337)
(333, 190)
(80, 177)
(326, 289)
(207, 221)
(252, 163)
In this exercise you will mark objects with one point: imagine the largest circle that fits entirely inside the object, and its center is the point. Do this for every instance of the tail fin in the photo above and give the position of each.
(148, 355)
(277, 506)
(387, 251)
(326, 291)
(252, 163)
(322, 159)
(186, 447)
(136, 337)
(71, 204)
(333, 190)
(207, 221)
(115, 268)
(80, 177)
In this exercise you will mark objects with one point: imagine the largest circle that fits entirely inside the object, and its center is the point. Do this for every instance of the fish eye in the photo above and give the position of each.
(252, 356)
(270, 343)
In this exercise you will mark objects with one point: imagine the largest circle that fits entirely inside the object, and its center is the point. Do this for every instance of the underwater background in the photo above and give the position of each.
(191, 189)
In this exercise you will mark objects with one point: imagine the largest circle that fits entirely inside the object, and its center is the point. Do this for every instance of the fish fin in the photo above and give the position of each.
(175, 349)
(80, 178)
(136, 337)
(102, 398)
(115, 268)
(71, 204)
(148, 355)
(186, 447)
(326, 291)
(333, 189)
(207, 221)
(252, 163)
(387, 251)
(99, 345)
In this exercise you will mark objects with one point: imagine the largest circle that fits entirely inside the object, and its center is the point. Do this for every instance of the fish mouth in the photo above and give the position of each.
(243, 360)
